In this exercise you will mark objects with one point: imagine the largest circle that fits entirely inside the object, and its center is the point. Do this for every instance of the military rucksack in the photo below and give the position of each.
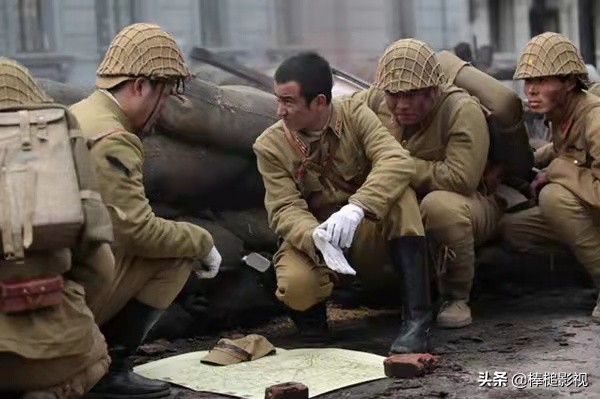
(509, 141)
(48, 203)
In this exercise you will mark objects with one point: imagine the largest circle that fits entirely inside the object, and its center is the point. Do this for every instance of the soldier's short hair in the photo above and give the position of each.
(312, 73)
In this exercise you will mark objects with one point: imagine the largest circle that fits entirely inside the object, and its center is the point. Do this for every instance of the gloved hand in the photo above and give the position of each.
(333, 256)
(341, 225)
(211, 262)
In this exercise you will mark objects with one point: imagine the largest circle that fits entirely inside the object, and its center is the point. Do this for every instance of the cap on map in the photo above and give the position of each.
(232, 351)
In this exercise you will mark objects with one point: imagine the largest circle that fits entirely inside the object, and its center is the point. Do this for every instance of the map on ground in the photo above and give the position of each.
(321, 370)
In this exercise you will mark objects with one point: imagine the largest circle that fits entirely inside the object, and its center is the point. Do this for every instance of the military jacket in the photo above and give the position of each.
(304, 185)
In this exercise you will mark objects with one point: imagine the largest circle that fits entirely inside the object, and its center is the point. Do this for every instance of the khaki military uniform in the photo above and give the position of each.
(153, 256)
(368, 168)
(57, 349)
(569, 206)
(594, 89)
(449, 149)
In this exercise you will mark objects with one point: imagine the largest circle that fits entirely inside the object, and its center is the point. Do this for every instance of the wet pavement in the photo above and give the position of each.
(531, 344)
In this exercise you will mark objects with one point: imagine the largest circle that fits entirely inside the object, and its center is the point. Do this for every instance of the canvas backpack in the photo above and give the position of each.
(48, 203)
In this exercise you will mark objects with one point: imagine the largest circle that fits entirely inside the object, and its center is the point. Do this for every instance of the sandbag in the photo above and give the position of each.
(228, 117)
(234, 299)
(509, 142)
(218, 76)
(245, 191)
(229, 245)
(251, 226)
(65, 94)
(181, 174)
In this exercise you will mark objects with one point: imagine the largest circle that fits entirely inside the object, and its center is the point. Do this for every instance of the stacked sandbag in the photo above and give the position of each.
(226, 117)
(194, 176)
(218, 76)
(66, 94)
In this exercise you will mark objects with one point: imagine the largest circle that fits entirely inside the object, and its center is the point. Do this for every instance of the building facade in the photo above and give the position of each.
(507, 25)
(66, 39)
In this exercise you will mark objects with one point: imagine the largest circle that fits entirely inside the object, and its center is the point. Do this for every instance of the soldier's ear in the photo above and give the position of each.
(137, 86)
(321, 100)
(571, 83)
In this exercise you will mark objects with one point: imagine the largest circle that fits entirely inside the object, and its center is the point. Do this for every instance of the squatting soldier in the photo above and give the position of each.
(568, 185)
(55, 351)
(141, 68)
(335, 179)
(446, 133)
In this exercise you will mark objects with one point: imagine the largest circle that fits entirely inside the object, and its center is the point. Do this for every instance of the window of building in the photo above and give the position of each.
(36, 32)
(111, 17)
(288, 22)
(502, 25)
(544, 17)
(213, 23)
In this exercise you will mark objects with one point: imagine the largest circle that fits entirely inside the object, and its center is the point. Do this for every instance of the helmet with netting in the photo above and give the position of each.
(408, 64)
(17, 86)
(549, 54)
(141, 50)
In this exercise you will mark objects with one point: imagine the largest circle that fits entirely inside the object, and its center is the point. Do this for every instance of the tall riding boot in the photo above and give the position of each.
(408, 256)
(124, 333)
(312, 323)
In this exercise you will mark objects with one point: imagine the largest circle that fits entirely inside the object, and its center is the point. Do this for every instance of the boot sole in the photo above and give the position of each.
(156, 395)
(457, 324)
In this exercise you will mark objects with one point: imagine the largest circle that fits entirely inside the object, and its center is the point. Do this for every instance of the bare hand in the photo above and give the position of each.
(536, 185)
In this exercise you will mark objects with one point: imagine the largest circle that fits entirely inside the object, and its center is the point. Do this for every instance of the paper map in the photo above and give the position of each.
(322, 370)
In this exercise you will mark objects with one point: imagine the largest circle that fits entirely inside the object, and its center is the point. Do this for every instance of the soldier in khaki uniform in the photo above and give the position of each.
(54, 352)
(141, 68)
(446, 133)
(569, 200)
(335, 180)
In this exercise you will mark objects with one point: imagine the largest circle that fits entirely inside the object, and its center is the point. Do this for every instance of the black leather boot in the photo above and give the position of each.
(312, 324)
(408, 256)
(124, 333)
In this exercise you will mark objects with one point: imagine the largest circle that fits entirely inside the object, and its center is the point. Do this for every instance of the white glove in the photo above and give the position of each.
(212, 261)
(333, 256)
(341, 225)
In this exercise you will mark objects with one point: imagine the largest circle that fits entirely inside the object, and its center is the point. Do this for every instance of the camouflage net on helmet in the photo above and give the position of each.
(17, 86)
(549, 54)
(408, 64)
(143, 50)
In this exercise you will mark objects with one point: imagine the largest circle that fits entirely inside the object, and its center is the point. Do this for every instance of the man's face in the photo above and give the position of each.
(546, 94)
(162, 91)
(150, 100)
(411, 107)
(293, 109)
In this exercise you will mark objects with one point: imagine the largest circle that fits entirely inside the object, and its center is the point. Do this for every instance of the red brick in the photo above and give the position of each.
(287, 390)
(409, 365)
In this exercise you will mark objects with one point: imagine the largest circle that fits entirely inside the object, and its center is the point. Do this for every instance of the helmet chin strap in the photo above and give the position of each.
(148, 122)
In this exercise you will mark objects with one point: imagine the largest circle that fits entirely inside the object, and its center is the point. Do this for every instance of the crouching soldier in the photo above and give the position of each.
(50, 345)
(336, 180)
(153, 256)
(568, 187)
(446, 133)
